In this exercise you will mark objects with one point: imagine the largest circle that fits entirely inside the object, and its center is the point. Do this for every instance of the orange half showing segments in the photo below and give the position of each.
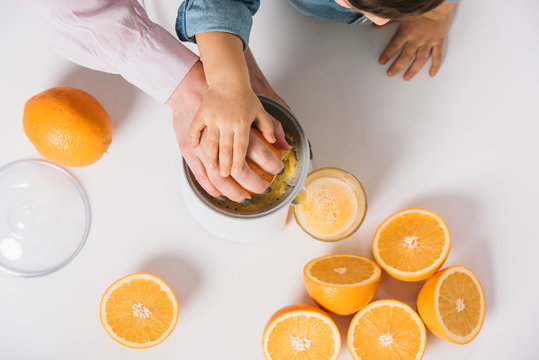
(412, 244)
(139, 310)
(301, 332)
(342, 283)
(452, 304)
(387, 330)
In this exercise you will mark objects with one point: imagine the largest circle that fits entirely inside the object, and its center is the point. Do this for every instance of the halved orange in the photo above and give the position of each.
(452, 304)
(342, 283)
(139, 310)
(301, 332)
(387, 330)
(412, 244)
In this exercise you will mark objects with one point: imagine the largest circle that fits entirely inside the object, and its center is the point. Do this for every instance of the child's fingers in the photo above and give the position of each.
(404, 58)
(264, 123)
(241, 143)
(226, 142)
(211, 147)
(421, 58)
(226, 186)
(436, 59)
(394, 46)
(197, 125)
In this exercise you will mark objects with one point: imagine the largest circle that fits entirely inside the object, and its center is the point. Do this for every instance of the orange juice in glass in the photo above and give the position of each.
(334, 206)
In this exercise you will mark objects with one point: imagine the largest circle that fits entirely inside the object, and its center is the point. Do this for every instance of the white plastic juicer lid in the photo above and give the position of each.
(44, 218)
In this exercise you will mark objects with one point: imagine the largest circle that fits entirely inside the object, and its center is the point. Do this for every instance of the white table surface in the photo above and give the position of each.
(463, 144)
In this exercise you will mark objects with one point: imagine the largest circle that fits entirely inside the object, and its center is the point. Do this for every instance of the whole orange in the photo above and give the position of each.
(67, 126)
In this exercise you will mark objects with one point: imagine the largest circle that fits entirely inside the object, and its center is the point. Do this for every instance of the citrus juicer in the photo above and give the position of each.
(235, 223)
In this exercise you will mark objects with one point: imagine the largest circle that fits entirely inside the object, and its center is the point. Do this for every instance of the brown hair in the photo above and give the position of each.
(395, 9)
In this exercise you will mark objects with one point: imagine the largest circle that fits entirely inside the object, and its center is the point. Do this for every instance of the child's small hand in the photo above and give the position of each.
(228, 111)
(417, 40)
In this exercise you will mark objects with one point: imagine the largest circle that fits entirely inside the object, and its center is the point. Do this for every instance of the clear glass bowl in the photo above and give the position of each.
(44, 217)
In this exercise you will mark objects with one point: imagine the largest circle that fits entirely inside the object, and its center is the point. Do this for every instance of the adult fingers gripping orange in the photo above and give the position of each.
(268, 177)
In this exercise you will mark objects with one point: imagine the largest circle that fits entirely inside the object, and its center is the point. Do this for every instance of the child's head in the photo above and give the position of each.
(381, 11)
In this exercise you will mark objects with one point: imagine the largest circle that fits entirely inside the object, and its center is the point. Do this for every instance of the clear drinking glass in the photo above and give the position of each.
(334, 205)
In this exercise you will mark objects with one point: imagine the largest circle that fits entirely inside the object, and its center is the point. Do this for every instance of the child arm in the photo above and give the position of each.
(222, 29)
(230, 106)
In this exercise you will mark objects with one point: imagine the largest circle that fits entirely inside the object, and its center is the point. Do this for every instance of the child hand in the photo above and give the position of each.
(421, 38)
(228, 112)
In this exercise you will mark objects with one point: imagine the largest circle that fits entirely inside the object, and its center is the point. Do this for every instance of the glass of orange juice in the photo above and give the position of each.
(334, 205)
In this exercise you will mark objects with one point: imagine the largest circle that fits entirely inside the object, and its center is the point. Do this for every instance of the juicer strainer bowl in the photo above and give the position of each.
(303, 155)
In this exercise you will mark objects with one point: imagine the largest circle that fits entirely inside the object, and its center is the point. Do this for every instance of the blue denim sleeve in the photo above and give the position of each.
(230, 16)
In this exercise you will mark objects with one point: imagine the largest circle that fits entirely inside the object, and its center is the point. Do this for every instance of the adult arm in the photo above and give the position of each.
(116, 36)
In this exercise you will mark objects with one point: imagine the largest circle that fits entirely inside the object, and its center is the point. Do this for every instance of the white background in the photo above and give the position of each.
(463, 144)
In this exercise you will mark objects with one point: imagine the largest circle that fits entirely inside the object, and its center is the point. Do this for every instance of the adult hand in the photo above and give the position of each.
(417, 40)
(185, 102)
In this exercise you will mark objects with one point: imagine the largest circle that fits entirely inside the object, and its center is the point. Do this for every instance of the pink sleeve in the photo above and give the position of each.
(116, 36)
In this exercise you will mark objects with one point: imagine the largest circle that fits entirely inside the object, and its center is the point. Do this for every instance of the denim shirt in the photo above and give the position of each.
(235, 16)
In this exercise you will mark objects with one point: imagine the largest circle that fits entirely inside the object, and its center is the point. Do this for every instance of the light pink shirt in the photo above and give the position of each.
(116, 36)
